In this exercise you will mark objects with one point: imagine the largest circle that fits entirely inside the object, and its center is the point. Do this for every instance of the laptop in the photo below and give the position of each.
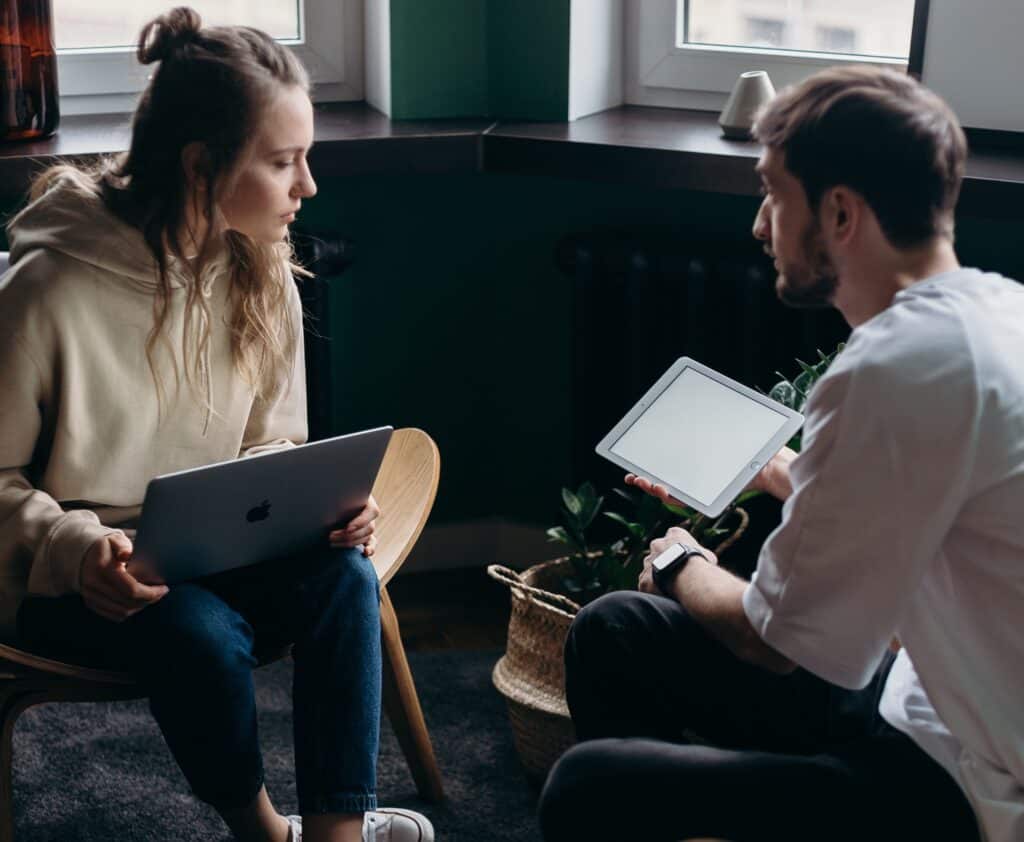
(245, 511)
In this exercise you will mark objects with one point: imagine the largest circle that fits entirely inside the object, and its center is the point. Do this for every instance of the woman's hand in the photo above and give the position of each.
(108, 589)
(359, 530)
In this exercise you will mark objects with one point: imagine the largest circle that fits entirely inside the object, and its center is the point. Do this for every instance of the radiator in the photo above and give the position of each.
(641, 301)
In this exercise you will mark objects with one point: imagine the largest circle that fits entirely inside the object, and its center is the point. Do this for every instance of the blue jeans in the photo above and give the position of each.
(194, 651)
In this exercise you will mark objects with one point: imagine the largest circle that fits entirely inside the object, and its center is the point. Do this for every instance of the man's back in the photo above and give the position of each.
(906, 519)
(961, 630)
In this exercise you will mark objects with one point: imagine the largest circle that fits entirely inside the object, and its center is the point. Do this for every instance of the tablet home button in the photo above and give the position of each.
(755, 465)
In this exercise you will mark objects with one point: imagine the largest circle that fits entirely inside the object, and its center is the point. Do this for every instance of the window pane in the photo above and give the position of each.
(116, 23)
(856, 27)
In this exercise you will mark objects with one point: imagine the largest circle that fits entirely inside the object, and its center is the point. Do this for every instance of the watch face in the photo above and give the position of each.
(665, 558)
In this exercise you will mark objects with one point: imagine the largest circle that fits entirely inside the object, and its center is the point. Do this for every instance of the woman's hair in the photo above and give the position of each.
(879, 132)
(210, 88)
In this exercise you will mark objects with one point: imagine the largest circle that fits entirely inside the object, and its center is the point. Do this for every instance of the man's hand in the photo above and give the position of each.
(359, 530)
(649, 487)
(773, 478)
(108, 589)
(676, 535)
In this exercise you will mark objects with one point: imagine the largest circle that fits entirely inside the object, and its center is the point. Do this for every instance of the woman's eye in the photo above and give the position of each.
(282, 164)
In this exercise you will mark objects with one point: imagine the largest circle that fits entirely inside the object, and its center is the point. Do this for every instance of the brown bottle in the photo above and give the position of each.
(28, 70)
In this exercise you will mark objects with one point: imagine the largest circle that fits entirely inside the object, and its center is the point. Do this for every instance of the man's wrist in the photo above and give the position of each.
(669, 565)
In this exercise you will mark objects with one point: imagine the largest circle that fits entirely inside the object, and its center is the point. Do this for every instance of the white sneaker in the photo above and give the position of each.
(389, 824)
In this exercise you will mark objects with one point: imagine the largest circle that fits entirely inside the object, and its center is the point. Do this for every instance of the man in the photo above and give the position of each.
(776, 708)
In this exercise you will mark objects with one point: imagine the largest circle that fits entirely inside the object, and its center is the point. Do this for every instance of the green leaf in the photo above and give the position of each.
(635, 529)
(558, 533)
(571, 501)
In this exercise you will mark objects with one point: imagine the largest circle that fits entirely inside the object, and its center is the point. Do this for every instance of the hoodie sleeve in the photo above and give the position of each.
(38, 539)
(279, 420)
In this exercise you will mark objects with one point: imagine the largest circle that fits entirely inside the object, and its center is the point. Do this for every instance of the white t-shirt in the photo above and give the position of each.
(907, 519)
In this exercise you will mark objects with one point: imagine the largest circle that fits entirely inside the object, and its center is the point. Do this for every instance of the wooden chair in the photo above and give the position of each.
(405, 490)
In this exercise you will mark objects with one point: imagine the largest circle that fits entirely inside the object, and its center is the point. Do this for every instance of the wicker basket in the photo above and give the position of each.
(531, 673)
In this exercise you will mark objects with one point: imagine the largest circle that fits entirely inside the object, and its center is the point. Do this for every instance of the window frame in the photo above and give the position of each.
(330, 45)
(659, 72)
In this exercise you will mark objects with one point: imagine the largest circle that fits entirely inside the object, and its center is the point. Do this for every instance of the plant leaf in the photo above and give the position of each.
(558, 533)
(571, 501)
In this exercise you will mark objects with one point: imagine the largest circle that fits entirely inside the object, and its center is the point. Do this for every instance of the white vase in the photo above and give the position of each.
(752, 90)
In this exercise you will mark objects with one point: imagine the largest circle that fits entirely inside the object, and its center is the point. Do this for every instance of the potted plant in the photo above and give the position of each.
(606, 549)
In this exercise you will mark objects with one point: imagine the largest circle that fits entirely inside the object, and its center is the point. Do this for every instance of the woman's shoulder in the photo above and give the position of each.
(42, 287)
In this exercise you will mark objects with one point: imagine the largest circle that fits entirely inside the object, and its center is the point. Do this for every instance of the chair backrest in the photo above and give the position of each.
(405, 490)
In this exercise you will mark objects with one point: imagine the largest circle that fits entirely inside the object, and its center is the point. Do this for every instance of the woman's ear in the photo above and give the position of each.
(194, 164)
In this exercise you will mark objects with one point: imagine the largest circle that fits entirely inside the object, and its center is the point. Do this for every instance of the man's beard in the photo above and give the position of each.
(812, 284)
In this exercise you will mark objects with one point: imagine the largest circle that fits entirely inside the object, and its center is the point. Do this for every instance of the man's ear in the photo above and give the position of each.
(841, 212)
(194, 164)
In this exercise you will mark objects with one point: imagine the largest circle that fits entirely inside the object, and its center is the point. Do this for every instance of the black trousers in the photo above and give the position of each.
(680, 739)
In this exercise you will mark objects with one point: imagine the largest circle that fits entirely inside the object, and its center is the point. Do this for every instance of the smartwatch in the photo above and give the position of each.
(667, 565)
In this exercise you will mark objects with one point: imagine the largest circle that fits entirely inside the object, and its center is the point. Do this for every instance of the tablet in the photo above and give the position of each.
(700, 434)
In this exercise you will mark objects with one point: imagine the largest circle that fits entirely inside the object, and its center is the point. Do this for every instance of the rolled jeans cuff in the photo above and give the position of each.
(340, 802)
(239, 797)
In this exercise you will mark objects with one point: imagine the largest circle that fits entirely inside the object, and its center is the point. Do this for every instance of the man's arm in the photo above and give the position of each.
(714, 598)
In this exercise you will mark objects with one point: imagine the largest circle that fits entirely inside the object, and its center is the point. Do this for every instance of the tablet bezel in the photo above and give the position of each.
(794, 420)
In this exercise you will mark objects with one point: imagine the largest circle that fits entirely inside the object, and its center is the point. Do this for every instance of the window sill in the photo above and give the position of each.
(648, 147)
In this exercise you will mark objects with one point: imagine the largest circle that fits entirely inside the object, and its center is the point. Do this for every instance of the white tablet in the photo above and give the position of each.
(700, 434)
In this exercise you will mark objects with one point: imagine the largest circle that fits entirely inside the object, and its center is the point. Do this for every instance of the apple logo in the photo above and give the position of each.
(260, 512)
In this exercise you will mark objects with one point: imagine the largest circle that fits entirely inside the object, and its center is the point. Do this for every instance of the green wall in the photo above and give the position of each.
(438, 58)
(453, 316)
(475, 58)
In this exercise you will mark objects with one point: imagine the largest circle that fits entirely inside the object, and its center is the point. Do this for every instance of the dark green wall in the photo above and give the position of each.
(438, 58)
(454, 318)
(464, 58)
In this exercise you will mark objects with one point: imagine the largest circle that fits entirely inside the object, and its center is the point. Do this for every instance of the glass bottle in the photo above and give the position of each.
(28, 70)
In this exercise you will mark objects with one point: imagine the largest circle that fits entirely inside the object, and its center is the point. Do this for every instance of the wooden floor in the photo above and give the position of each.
(450, 609)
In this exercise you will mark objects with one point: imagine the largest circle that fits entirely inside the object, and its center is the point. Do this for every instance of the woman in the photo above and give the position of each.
(149, 324)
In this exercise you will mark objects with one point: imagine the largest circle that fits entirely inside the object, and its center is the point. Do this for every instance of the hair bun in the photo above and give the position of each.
(166, 33)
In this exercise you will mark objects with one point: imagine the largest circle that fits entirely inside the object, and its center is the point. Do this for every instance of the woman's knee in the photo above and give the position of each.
(192, 629)
(350, 575)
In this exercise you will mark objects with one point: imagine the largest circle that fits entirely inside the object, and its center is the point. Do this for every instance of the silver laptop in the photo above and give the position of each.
(209, 519)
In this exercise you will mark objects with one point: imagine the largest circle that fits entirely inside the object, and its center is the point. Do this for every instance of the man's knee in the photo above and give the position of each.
(578, 782)
(613, 629)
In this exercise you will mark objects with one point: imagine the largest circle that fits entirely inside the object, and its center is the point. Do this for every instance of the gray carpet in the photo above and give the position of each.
(102, 771)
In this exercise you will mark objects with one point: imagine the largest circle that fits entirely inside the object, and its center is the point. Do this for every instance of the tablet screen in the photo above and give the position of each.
(700, 434)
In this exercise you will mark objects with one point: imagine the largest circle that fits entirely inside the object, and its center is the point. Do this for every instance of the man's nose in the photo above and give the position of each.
(761, 230)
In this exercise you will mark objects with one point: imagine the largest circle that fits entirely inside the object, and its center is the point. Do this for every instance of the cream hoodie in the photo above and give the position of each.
(80, 433)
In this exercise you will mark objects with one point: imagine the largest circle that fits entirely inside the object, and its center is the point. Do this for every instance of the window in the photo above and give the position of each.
(837, 39)
(764, 33)
(689, 53)
(97, 69)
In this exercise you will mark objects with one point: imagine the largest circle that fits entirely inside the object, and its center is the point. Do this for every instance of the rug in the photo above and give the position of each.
(102, 771)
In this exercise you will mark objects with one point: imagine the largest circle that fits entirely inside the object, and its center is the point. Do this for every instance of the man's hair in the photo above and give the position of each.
(880, 133)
